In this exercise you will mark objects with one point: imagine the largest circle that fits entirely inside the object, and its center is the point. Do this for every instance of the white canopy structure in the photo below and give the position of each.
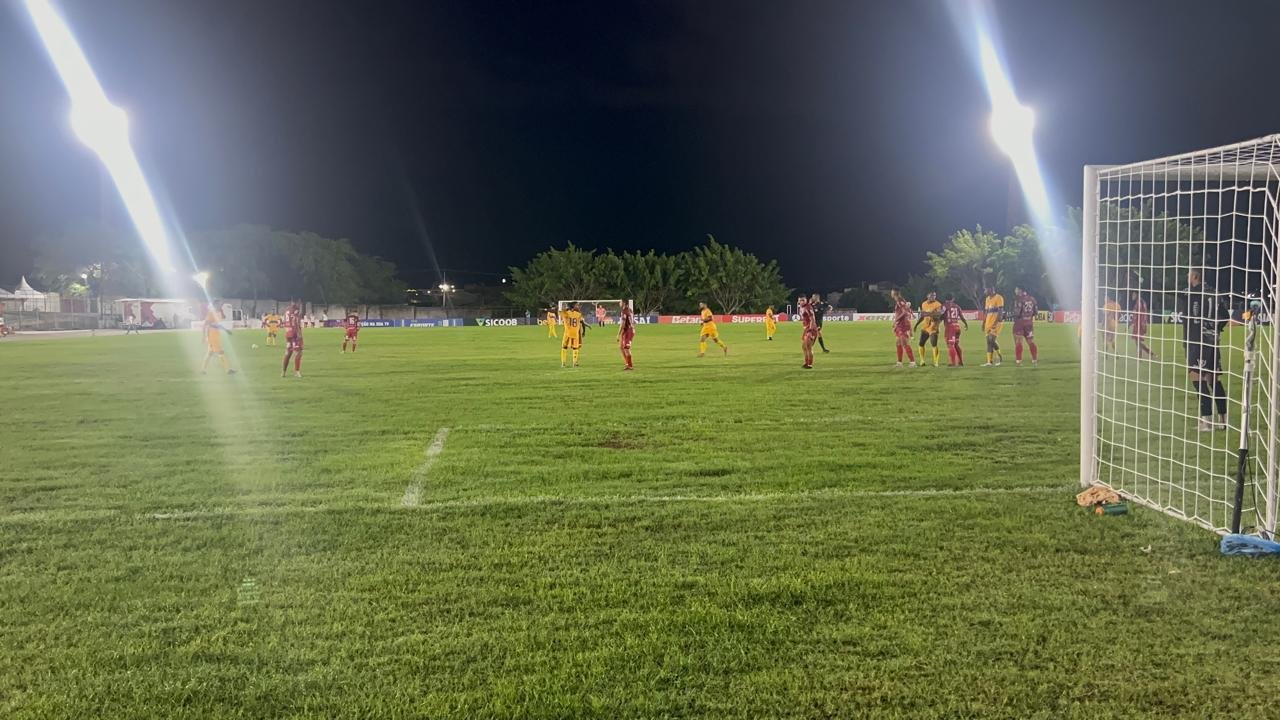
(25, 292)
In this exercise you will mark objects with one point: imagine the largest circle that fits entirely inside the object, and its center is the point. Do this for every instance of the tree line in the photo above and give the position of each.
(245, 261)
(728, 279)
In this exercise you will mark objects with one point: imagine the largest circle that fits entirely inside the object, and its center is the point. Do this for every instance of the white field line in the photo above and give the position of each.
(530, 500)
(413, 493)
(494, 500)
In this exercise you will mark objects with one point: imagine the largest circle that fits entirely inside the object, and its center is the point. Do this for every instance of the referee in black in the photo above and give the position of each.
(820, 308)
(1203, 319)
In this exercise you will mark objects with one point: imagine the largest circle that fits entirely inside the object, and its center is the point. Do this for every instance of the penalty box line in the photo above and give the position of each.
(413, 493)
(530, 500)
(518, 500)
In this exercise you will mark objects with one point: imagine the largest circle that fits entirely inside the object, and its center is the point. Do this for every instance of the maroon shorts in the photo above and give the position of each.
(811, 336)
(352, 333)
(624, 341)
(1138, 330)
(903, 333)
(1024, 328)
(294, 343)
(953, 334)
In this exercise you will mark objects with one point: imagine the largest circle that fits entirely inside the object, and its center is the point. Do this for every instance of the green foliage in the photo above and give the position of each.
(1142, 236)
(727, 278)
(865, 300)
(967, 263)
(245, 261)
(974, 259)
(654, 281)
(553, 275)
(731, 280)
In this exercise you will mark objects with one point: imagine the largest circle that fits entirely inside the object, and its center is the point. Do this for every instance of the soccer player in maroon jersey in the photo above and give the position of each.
(1024, 318)
(626, 333)
(810, 335)
(902, 316)
(1139, 321)
(292, 340)
(352, 325)
(952, 317)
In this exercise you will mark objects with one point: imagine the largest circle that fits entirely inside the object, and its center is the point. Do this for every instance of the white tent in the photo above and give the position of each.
(24, 293)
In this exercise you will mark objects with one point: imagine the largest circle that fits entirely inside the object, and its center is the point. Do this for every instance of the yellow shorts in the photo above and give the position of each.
(571, 342)
(215, 342)
(709, 331)
(993, 329)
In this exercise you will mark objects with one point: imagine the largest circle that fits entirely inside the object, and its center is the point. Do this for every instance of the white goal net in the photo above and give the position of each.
(1163, 353)
(596, 312)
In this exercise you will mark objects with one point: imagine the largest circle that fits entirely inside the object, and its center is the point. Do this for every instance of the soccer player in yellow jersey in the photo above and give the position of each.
(572, 320)
(1110, 322)
(272, 323)
(709, 331)
(992, 321)
(770, 323)
(213, 341)
(930, 315)
(551, 323)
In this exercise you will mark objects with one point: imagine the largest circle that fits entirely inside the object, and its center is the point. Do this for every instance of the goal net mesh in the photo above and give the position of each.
(596, 311)
(1214, 211)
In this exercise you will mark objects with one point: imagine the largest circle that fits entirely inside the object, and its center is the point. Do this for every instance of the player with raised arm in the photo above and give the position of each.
(1203, 318)
(626, 333)
(930, 314)
(573, 329)
(552, 321)
(810, 333)
(1139, 321)
(709, 331)
(992, 321)
(213, 340)
(292, 340)
(1024, 324)
(1110, 322)
(352, 327)
(952, 318)
(902, 314)
(770, 323)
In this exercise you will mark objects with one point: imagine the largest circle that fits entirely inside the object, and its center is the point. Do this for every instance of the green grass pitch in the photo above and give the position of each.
(718, 537)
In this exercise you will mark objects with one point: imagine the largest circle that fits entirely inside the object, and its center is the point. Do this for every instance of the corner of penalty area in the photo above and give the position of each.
(1249, 546)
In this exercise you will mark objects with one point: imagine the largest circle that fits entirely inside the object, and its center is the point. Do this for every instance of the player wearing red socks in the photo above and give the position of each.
(902, 315)
(1024, 319)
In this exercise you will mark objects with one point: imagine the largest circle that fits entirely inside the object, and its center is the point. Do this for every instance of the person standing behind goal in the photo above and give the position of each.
(1203, 318)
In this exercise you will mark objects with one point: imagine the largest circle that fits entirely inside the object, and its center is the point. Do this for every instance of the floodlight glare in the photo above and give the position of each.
(103, 127)
(1011, 128)
(202, 279)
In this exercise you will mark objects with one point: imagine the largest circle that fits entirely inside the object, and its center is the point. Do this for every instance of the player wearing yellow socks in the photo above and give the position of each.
(992, 321)
(709, 331)
(572, 334)
(930, 314)
(213, 341)
(770, 323)
(272, 324)
(551, 323)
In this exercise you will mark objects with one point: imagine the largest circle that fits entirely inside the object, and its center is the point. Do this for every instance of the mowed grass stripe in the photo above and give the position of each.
(890, 543)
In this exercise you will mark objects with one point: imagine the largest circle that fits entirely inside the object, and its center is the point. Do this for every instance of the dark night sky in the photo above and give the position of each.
(843, 138)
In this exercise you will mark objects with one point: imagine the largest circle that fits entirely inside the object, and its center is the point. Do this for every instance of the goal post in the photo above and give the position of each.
(588, 308)
(1158, 349)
